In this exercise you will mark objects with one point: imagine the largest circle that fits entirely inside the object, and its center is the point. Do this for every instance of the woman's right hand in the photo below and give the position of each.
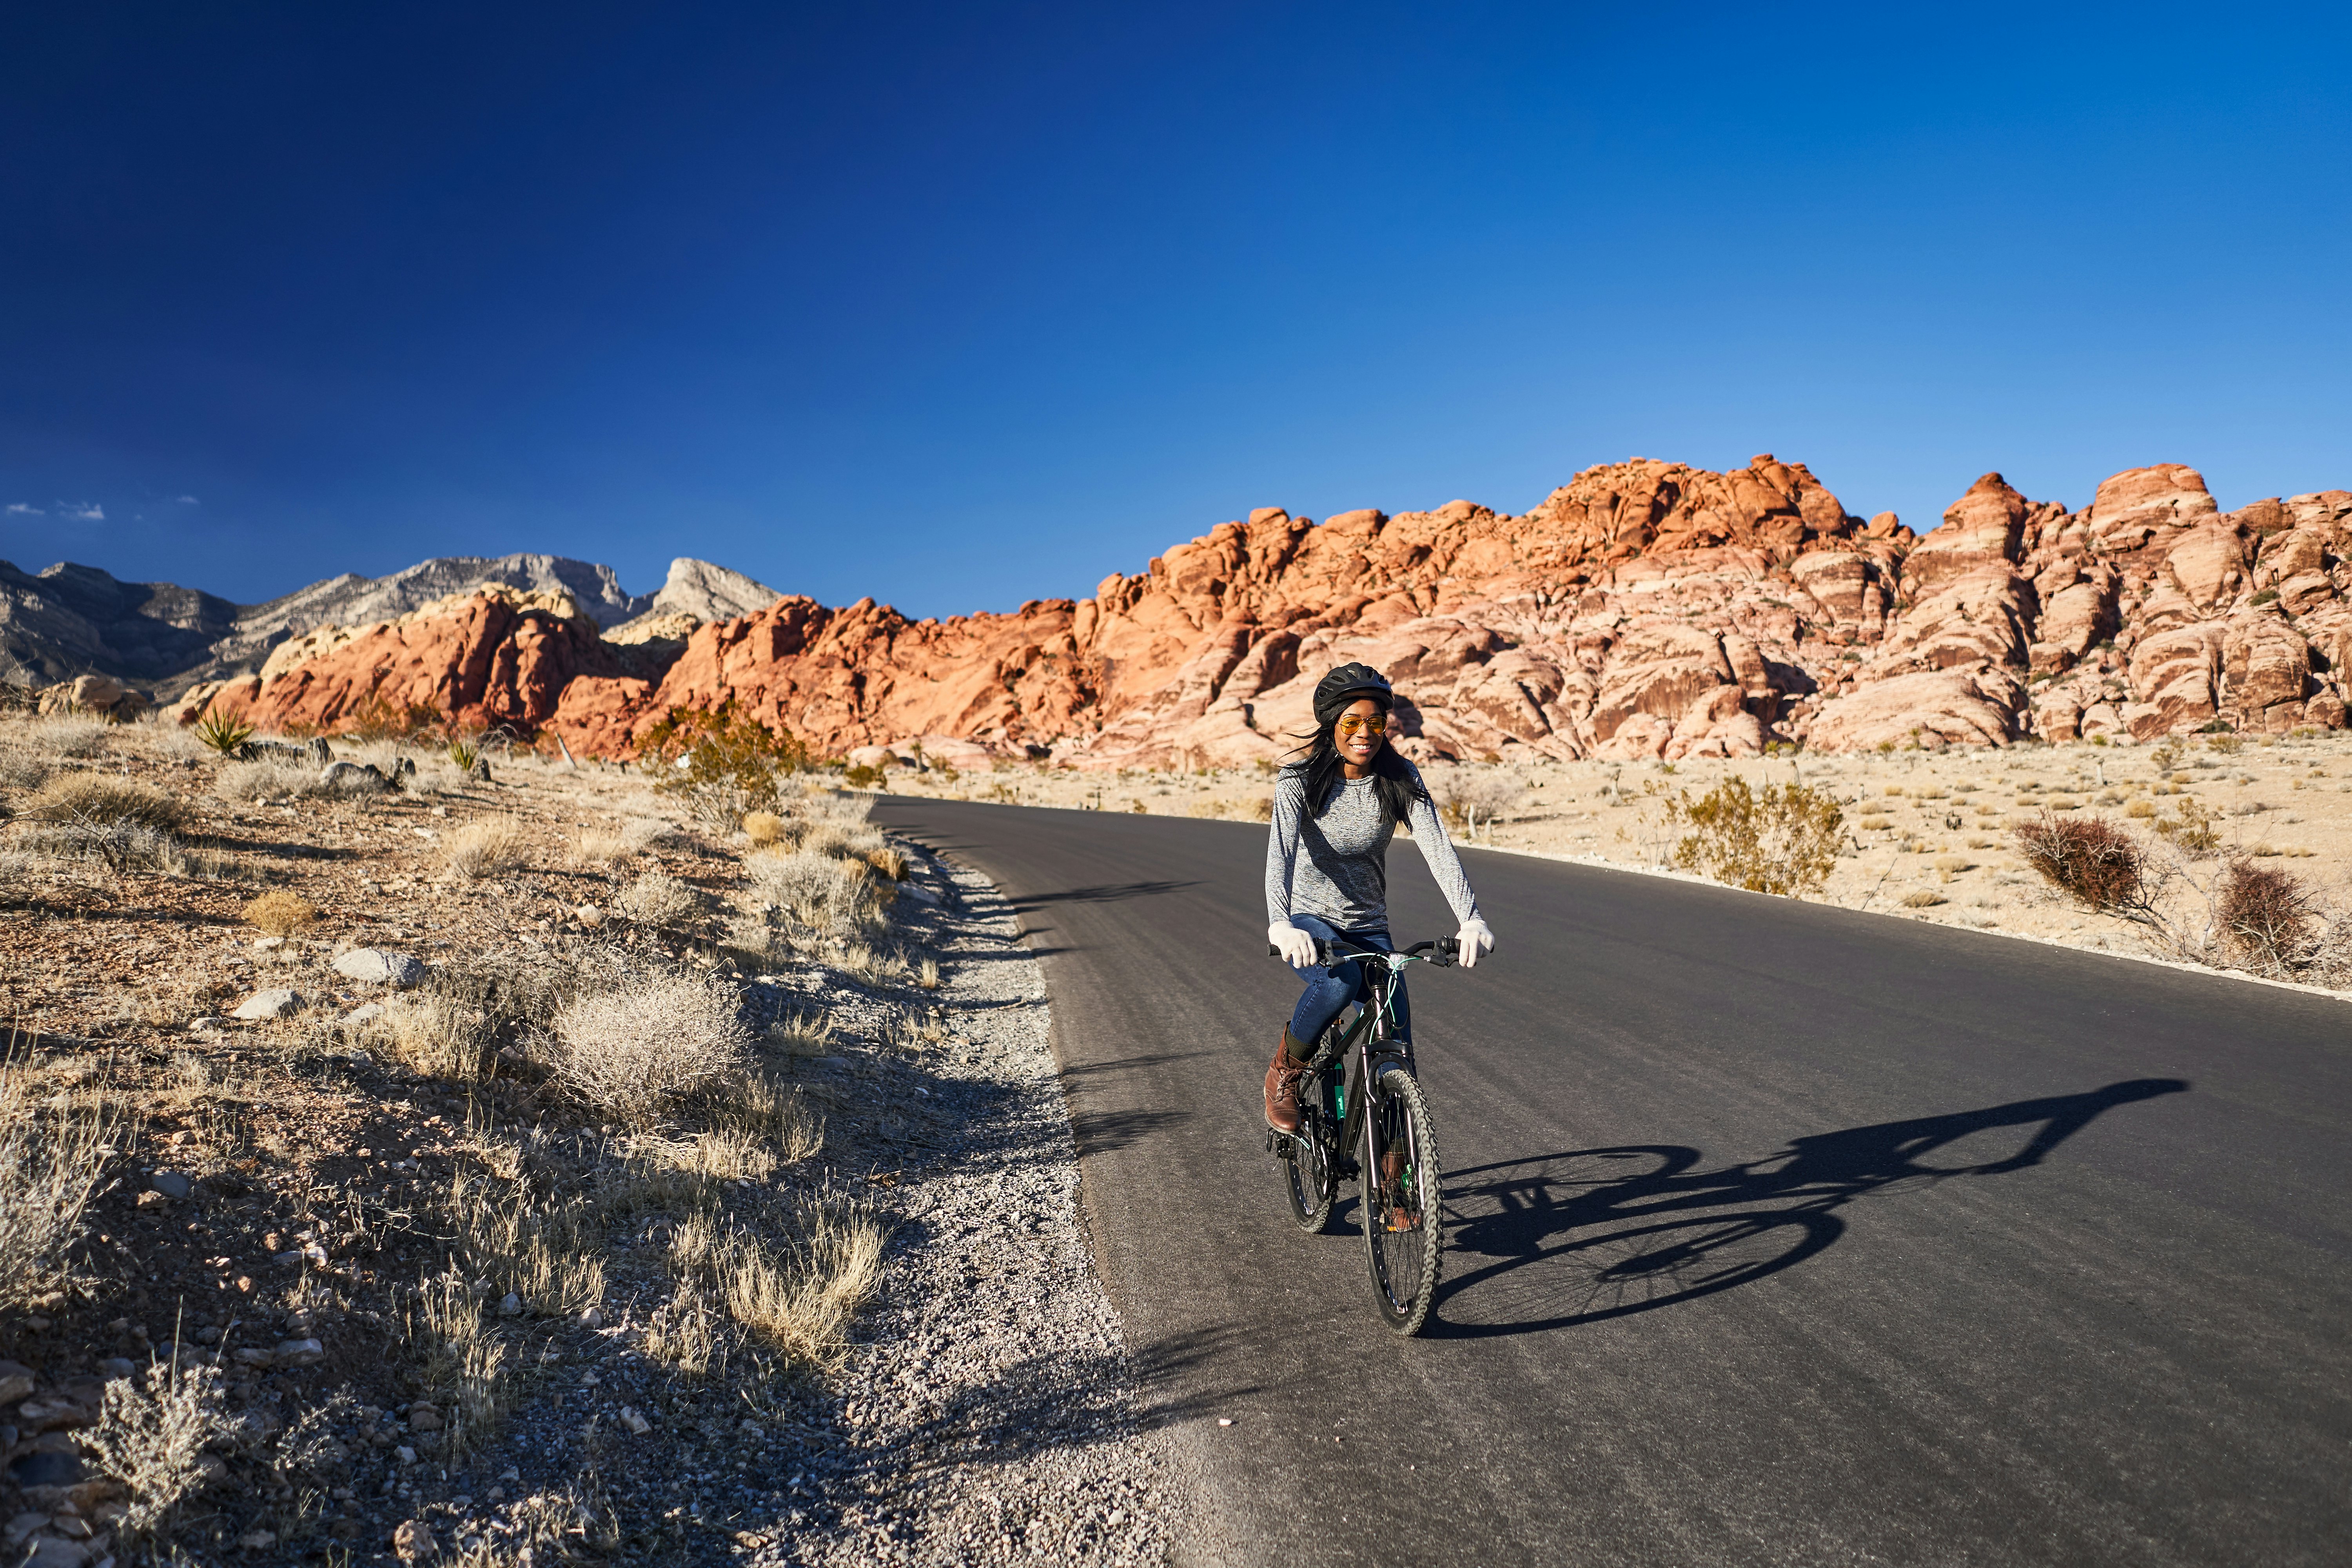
(1297, 948)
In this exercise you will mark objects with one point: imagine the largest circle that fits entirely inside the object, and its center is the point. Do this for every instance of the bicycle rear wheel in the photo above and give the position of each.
(1307, 1175)
(1399, 1206)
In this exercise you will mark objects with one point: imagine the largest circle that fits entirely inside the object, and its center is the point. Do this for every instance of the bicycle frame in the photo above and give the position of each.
(1368, 1046)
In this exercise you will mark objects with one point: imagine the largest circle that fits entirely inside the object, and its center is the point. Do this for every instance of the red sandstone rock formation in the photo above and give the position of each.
(495, 657)
(1645, 609)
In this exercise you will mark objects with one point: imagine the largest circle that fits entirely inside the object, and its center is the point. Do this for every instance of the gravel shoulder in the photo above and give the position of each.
(992, 1413)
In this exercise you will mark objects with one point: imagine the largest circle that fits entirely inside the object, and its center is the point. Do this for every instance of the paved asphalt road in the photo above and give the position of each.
(1776, 1234)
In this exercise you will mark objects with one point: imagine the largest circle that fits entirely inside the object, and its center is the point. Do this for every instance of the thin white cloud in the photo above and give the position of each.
(20, 508)
(83, 512)
(190, 501)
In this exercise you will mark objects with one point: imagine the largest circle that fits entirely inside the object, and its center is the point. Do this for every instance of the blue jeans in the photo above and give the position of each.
(1331, 987)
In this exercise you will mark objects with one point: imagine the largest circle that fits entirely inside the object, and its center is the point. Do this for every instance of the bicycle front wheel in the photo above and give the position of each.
(1399, 1207)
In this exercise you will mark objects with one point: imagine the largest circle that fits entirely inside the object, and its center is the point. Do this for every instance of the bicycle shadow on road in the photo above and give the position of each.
(1642, 1226)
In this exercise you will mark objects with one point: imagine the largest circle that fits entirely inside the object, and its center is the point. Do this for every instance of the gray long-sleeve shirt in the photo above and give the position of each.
(1334, 865)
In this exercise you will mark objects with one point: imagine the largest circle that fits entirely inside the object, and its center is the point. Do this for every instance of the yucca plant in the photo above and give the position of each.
(222, 733)
(464, 753)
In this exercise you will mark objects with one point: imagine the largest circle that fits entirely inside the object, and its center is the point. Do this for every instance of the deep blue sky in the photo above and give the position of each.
(966, 304)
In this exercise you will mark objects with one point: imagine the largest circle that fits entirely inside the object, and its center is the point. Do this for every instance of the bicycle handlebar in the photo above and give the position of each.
(1447, 948)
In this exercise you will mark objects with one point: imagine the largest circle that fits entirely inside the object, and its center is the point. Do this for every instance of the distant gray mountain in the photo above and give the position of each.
(707, 593)
(74, 620)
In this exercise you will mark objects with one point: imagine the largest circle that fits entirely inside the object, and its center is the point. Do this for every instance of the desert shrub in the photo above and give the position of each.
(2223, 742)
(829, 895)
(647, 1040)
(281, 913)
(377, 719)
(2194, 830)
(657, 898)
(153, 1441)
(1465, 797)
(2088, 859)
(1206, 807)
(51, 1163)
(859, 776)
(2265, 917)
(888, 861)
(721, 764)
(487, 847)
(763, 828)
(1783, 841)
(100, 799)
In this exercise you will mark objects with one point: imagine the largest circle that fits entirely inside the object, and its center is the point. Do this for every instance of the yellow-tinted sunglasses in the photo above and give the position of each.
(1377, 723)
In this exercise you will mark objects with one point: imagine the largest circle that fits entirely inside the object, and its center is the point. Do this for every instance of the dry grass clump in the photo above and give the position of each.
(487, 847)
(67, 736)
(280, 913)
(51, 1163)
(798, 1297)
(801, 1302)
(763, 828)
(102, 800)
(465, 1372)
(153, 1442)
(21, 769)
(434, 1036)
(2088, 859)
(648, 1041)
(684, 1332)
(657, 898)
(268, 778)
(542, 1250)
(843, 840)
(602, 846)
(828, 895)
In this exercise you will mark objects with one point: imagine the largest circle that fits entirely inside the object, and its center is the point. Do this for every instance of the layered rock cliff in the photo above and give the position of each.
(1643, 610)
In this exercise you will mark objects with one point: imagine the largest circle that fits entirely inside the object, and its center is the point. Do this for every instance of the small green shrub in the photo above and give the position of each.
(722, 764)
(1783, 840)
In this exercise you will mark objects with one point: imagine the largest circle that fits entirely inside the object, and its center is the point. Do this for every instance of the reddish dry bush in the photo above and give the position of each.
(2266, 917)
(2088, 859)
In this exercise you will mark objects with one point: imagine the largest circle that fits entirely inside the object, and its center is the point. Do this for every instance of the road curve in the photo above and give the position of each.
(1776, 1234)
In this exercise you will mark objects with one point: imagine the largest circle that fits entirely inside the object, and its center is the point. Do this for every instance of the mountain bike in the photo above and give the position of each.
(1361, 1113)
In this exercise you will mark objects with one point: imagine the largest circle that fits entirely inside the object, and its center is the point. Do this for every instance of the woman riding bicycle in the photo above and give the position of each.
(1335, 811)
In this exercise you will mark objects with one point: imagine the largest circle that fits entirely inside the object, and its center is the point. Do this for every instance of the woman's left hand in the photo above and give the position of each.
(1472, 940)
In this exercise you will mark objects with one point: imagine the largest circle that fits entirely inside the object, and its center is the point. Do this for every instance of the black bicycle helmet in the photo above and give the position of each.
(1344, 685)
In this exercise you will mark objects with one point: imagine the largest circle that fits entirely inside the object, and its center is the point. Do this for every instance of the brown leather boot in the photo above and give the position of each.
(1282, 1083)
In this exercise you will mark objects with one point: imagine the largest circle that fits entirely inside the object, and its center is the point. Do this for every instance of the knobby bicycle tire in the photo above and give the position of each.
(1308, 1179)
(1400, 1209)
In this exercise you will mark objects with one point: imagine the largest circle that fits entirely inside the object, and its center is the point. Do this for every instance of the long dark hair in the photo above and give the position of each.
(1316, 764)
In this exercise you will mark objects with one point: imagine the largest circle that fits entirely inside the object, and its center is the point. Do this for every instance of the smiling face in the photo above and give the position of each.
(1360, 735)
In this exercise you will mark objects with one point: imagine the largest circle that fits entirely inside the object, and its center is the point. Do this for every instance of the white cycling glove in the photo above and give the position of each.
(1473, 939)
(1297, 948)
